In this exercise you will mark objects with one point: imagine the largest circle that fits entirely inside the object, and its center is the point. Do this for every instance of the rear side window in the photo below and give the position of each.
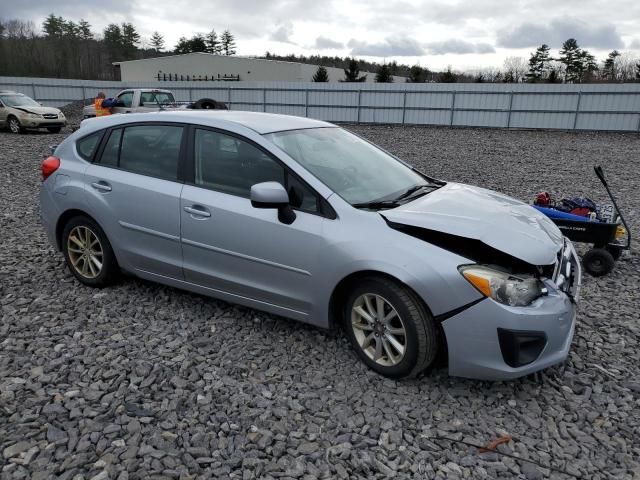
(87, 146)
(152, 150)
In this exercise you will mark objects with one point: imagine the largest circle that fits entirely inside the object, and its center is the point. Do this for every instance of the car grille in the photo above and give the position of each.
(50, 116)
(568, 273)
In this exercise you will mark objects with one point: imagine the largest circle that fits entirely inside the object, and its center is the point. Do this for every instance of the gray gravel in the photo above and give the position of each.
(144, 381)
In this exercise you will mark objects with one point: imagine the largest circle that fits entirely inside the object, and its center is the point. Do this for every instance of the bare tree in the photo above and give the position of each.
(515, 69)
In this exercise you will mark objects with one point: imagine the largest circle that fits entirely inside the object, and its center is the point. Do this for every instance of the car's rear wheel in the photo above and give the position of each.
(14, 125)
(390, 328)
(54, 129)
(88, 253)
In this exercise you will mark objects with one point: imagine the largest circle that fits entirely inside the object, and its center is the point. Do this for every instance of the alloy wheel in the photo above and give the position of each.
(14, 125)
(85, 251)
(378, 329)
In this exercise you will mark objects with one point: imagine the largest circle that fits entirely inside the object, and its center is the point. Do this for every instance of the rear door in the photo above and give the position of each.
(135, 190)
(230, 246)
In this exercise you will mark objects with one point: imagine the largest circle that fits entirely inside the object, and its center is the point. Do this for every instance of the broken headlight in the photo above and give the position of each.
(503, 287)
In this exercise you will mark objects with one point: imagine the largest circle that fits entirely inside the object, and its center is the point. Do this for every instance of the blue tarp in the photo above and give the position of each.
(557, 214)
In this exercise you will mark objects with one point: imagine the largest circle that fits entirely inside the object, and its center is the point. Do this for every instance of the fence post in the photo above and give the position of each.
(575, 118)
(190, 94)
(453, 107)
(84, 93)
(510, 106)
(404, 106)
(306, 102)
(229, 96)
(264, 99)
(359, 100)
(33, 91)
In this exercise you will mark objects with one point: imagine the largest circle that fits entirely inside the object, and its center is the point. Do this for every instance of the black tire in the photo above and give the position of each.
(598, 262)
(615, 251)
(109, 272)
(13, 124)
(421, 339)
(54, 129)
(205, 104)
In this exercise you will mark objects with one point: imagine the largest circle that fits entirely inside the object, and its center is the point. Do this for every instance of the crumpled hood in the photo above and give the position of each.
(38, 110)
(497, 220)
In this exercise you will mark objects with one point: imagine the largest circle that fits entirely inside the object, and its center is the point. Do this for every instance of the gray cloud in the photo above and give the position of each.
(325, 43)
(282, 33)
(391, 47)
(460, 47)
(634, 44)
(557, 31)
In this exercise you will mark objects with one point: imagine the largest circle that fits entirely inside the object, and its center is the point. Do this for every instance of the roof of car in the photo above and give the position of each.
(259, 122)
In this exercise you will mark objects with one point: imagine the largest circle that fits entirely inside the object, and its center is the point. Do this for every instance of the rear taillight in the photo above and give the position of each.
(49, 165)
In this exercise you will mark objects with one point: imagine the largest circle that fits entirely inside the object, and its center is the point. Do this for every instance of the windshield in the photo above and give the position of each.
(18, 101)
(356, 170)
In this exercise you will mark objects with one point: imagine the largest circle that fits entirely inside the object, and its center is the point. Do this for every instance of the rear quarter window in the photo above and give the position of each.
(87, 146)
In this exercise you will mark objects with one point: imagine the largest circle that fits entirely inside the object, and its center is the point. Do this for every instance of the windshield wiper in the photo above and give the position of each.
(377, 204)
(416, 188)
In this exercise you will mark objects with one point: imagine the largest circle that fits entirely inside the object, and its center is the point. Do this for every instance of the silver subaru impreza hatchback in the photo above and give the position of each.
(304, 219)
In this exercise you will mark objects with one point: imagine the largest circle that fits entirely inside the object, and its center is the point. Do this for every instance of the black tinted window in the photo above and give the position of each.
(231, 165)
(110, 154)
(151, 150)
(125, 99)
(87, 146)
(301, 196)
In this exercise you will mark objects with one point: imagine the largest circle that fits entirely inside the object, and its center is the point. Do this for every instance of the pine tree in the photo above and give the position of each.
(321, 75)
(129, 40)
(538, 64)
(609, 68)
(53, 26)
(182, 46)
(638, 71)
(417, 74)
(197, 43)
(570, 57)
(112, 36)
(157, 41)
(448, 76)
(352, 73)
(383, 75)
(84, 30)
(228, 43)
(213, 43)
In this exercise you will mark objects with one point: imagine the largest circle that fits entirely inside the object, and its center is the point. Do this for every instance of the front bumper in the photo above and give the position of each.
(474, 335)
(27, 122)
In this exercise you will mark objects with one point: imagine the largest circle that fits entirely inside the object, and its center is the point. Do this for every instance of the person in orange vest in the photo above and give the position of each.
(103, 105)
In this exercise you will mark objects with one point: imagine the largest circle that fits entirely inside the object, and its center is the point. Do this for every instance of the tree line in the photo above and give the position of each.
(64, 48)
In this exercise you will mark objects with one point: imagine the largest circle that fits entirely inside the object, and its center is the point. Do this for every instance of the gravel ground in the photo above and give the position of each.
(144, 381)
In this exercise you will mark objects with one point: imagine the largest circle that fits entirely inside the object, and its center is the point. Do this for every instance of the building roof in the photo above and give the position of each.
(211, 55)
(257, 121)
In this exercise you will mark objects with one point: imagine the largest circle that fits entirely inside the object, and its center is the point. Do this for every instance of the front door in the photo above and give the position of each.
(234, 248)
(134, 191)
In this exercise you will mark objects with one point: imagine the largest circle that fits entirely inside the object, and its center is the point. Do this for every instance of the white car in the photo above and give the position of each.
(19, 112)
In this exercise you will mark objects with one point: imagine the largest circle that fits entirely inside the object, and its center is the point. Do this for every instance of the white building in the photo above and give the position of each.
(204, 66)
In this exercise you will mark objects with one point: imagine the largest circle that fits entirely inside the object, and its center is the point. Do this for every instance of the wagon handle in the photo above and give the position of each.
(600, 174)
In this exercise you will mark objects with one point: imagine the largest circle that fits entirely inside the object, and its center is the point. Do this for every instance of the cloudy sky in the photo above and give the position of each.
(433, 33)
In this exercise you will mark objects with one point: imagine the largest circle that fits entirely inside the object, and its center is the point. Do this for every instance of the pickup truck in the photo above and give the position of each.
(142, 100)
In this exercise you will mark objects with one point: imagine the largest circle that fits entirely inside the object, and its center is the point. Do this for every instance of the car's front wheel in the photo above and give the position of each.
(88, 253)
(14, 125)
(390, 328)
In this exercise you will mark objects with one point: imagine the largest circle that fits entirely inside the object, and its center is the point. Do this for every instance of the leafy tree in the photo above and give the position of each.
(182, 46)
(609, 68)
(352, 72)
(539, 64)
(213, 43)
(53, 26)
(448, 76)
(157, 41)
(417, 74)
(383, 75)
(84, 30)
(228, 42)
(321, 75)
(479, 78)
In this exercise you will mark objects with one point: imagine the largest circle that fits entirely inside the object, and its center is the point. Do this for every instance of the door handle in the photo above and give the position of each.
(197, 210)
(101, 186)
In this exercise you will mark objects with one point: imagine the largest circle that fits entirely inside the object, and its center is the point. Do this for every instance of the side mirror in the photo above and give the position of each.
(273, 195)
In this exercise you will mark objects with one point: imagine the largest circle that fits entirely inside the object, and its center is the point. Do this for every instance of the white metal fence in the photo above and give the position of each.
(568, 107)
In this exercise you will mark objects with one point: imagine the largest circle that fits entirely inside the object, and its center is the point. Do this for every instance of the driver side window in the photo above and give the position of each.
(125, 99)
